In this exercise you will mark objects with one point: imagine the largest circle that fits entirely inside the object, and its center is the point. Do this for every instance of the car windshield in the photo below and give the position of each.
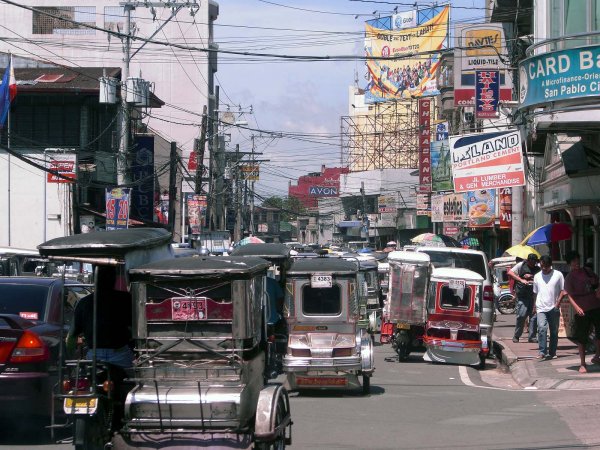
(26, 300)
(471, 261)
(321, 301)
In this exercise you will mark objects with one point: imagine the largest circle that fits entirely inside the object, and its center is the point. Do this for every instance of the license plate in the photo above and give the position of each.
(456, 284)
(319, 280)
(186, 309)
(80, 405)
(321, 381)
(403, 326)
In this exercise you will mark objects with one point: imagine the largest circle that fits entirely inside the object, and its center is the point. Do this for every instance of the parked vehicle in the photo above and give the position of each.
(369, 295)
(19, 261)
(504, 299)
(30, 331)
(327, 349)
(471, 260)
(453, 333)
(409, 279)
(387, 328)
(91, 391)
(199, 329)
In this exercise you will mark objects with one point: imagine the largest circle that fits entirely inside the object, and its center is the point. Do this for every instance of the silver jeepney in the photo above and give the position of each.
(327, 349)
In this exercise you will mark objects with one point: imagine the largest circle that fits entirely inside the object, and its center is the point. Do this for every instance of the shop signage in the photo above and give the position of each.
(437, 208)
(561, 75)
(505, 207)
(250, 172)
(323, 191)
(142, 173)
(196, 211)
(487, 93)
(424, 142)
(423, 204)
(386, 204)
(441, 131)
(455, 208)
(482, 208)
(451, 231)
(117, 208)
(63, 164)
(487, 160)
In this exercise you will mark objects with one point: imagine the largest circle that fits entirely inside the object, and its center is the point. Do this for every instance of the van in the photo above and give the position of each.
(476, 261)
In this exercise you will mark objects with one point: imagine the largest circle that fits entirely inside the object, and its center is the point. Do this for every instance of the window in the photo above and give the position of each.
(568, 17)
(459, 298)
(24, 298)
(45, 23)
(321, 301)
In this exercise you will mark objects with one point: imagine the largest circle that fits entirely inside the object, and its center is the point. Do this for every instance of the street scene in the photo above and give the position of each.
(259, 224)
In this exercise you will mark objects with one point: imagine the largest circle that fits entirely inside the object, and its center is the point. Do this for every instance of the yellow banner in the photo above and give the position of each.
(413, 73)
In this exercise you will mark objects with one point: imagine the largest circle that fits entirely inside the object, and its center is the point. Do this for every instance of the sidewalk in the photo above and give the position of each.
(529, 372)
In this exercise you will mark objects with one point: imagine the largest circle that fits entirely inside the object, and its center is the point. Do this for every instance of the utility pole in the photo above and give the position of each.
(215, 177)
(123, 156)
(200, 154)
(172, 185)
(252, 229)
(238, 196)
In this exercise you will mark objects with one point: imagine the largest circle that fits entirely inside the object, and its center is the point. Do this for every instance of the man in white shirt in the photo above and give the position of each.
(548, 289)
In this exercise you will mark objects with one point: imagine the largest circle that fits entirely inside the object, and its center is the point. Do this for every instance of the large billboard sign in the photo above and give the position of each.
(561, 75)
(400, 52)
(479, 47)
(487, 160)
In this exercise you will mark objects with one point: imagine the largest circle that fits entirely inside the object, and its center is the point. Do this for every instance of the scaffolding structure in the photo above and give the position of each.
(384, 138)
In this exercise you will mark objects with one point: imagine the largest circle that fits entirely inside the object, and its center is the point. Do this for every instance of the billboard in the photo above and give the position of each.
(478, 47)
(424, 144)
(487, 93)
(487, 160)
(142, 174)
(405, 39)
(482, 208)
(441, 173)
(196, 212)
(117, 208)
(454, 208)
(561, 75)
(323, 191)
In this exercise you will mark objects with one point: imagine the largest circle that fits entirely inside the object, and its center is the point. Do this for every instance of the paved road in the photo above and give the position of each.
(417, 405)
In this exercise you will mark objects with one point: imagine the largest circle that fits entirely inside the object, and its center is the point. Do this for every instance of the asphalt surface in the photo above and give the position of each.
(419, 405)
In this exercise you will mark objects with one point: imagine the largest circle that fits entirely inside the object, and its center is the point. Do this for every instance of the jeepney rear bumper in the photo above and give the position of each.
(296, 364)
(177, 441)
(466, 353)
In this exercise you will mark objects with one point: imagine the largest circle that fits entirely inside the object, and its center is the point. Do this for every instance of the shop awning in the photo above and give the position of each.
(349, 224)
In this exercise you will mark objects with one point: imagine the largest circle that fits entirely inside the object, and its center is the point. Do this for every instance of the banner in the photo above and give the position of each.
(424, 144)
(487, 92)
(487, 160)
(479, 47)
(142, 173)
(410, 70)
(455, 208)
(441, 174)
(560, 75)
(64, 164)
(505, 207)
(437, 208)
(117, 208)
(482, 208)
(196, 212)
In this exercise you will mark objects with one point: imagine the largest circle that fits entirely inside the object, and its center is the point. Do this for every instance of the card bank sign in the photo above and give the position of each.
(323, 191)
(561, 75)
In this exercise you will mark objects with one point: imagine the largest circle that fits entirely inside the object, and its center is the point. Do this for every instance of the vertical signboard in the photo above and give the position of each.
(441, 173)
(196, 212)
(437, 208)
(142, 173)
(505, 207)
(424, 144)
(117, 208)
(487, 93)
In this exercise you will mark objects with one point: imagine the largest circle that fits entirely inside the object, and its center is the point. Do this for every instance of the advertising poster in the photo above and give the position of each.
(403, 76)
(561, 75)
(455, 208)
(479, 47)
(505, 207)
(487, 160)
(487, 93)
(482, 208)
(441, 172)
(196, 212)
(424, 144)
(437, 208)
(117, 208)
(142, 173)
(64, 164)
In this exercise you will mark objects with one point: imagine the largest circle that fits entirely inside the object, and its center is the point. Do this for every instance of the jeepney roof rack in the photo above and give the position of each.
(200, 267)
(268, 251)
(335, 265)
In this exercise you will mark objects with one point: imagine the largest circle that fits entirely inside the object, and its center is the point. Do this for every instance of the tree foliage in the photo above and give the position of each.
(290, 207)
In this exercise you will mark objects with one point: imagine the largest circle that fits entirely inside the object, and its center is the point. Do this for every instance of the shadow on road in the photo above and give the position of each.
(29, 431)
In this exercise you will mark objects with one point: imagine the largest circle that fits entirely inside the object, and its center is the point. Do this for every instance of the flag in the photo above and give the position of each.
(8, 91)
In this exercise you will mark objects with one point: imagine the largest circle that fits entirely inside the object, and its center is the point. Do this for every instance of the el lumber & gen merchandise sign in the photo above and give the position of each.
(487, 160)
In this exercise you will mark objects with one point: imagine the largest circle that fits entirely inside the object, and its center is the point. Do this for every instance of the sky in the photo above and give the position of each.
(307, 98)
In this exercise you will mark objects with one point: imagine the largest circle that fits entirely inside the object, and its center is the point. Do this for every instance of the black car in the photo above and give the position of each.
(30, 324)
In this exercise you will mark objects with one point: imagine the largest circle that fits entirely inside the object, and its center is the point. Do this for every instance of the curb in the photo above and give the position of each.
(518, 369)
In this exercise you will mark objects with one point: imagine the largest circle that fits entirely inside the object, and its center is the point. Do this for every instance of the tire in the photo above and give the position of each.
(507, 304)
(92, 432)
(403, 346)
(366, 385)
(481, 365)
(279, 443)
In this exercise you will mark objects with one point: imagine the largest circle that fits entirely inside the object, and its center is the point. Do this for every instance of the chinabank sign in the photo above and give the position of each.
(323, 191)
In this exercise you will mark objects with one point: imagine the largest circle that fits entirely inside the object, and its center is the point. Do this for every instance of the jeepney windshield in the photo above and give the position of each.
(455, 297)
(321, 301)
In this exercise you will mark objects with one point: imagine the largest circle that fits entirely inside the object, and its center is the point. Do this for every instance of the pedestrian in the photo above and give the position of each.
(581, 285)
(523, 274)
(548, 290)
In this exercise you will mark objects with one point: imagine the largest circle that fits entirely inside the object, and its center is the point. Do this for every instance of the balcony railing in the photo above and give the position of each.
(564, 42)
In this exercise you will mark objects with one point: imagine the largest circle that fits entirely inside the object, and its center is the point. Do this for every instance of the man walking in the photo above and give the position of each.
(548, 290)
(523, 274)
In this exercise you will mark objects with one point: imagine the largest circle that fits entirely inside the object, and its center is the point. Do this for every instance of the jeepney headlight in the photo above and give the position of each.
(344, 340)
